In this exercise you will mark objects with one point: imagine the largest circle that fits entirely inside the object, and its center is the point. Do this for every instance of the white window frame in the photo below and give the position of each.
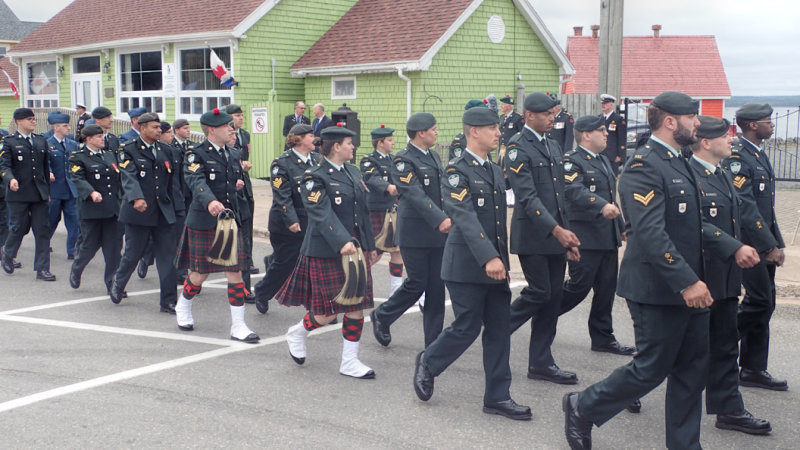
(137, 94)
(181, 93)
(72, 59)
(33, 98)
(334, 80)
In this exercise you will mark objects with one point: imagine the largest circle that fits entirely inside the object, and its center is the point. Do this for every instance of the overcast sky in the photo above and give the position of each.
(758, 40)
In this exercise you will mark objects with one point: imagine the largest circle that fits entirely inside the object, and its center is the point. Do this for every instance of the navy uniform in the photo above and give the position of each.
(562, 132)
(146, 173)
(474, 196)
(590, 186)
(754, 179)
(667, 238)
(96, 171)
(133, 133)
(617, 135)
(25, 159)
(80, 122)
(418, 174)
(62, 190)
(533, 166)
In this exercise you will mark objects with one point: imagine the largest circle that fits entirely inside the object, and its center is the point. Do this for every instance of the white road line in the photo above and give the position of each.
(73, 302)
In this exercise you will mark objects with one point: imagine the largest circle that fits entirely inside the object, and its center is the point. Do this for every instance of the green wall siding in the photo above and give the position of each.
(7, 106)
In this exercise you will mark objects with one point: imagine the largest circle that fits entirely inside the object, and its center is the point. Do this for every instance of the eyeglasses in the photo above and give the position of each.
(764, 121)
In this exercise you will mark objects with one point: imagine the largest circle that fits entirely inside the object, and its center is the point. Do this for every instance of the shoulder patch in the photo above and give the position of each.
(453, 179)
(190, 157)
(644, 199)
(512, 153)
(567, 166)
(400, 165)
(275, 169)
(735, 166)
(309, 185)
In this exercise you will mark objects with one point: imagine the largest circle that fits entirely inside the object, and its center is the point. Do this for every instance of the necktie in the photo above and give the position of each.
(105, 142)
(297, 119)
(721, 178)
(488, 166)
(602, 163)
(184, 146)
(63, 147)
(222, 154)
(30, 141)
(343, 169)
(316, 124)
(544, 142)
(153, 151)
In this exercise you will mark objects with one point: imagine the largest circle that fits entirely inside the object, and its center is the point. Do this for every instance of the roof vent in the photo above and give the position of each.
(656, 30)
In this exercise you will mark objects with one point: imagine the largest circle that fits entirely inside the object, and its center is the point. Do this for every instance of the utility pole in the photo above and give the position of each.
(609, 75)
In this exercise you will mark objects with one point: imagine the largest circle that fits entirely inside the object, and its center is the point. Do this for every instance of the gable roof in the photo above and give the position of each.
(406, 37)
(651, 65)
(13, 29)
(141, 22)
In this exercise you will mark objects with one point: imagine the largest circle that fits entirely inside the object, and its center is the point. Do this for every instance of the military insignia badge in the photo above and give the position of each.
(761, 187)
(123, 156)
(480, 202)
(309, 185)
(592, 188)
(142, 174)
(512, 154)
(427, 182)
(567, 166)
(190, 158)
(97, 176)
(681, 208)
(367, 163)
(400, 165)
(612, 126)
(453, 179)
(712, 212)
(337, 200)
(736, 166)
(19, 158)
(558, 125)
(275, 170)
(212, 176)
(457, 152)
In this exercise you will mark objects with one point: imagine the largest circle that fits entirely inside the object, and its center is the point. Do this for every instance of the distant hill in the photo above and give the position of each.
(776, 100)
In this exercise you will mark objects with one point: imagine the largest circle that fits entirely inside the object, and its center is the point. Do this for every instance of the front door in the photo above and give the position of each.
(86, 90)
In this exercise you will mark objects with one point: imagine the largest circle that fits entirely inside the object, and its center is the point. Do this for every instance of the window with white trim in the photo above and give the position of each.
(200, 89)
(343, 88)
(140, 81)
(42, 81)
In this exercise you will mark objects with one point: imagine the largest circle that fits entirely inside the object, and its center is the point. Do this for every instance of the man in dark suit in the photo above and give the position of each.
(422, 228)
(476, 269)
(721, 206)
(617, 133)
(62, 191)
(25, 169)
(754, 180)
(595, 218)
(540, 234)
(295, 119)
(134, 132)
(321, 121)
(661, 278)
(563, 124)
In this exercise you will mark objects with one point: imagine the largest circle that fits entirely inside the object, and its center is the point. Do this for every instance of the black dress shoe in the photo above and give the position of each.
(251, 338)
(253, 270)
(7, 262)
(141, 268)
(169, 309)
(45, 275)
(71, 256)
(553, 374)
(16, 264)
(577, 429)
(744, 422)
(262, 305)
(74, 279)
(635, 407)
(423, 380)
(508, 408)
(381, 333)
(115, 294)
(615, 348)
(250, 298)
(761, 379)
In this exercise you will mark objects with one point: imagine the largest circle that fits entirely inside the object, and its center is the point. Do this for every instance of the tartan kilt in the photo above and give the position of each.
(315, 282)
(193, 248)
(376, 220)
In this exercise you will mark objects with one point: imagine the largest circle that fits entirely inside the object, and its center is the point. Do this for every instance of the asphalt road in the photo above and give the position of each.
(77, 371)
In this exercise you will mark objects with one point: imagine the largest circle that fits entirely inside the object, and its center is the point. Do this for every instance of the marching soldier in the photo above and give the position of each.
(591, 195)
(459, 142)
(476, 270)
(182, 132)
(62, 191)
(134, 132)
(80, 122)
(617, 133)
(511, 121)
(95, 174)
(102, 117)
(25, 170)
(721, 207)
(563, 124)
(754, 180)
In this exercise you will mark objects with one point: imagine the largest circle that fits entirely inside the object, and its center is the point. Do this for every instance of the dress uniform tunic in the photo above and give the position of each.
(617, 140)
(62, 191)
(754, 180)
(243, 146)
(457, 147)
(510, 124)
(182, 148)
(562, 131)
(377, 168)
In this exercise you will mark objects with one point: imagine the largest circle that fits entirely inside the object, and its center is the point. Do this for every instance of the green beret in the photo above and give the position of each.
(754, 111)
(23, 113)
(589, 123)
(301, 128)
(381, 132)
(336, 132)
(148, 117)
(179, 123)
(91, 130)
(507, 99)
(215, 118)
(101, 112)
(233, 108)
(420, 122)
(474, 104)
(712, 127)
(539, 102)
(479, 117)
(675, 102)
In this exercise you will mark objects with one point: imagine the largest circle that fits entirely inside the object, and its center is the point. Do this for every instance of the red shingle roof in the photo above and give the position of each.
(85, 22)
(405, 31)
(650, 65)
(12, 70)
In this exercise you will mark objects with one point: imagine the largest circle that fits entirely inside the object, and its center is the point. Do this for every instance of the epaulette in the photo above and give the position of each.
(570, 153)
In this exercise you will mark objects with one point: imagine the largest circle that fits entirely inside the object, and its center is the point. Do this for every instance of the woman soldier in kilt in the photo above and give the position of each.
(335, 199)
(214, 174)
(382, 197)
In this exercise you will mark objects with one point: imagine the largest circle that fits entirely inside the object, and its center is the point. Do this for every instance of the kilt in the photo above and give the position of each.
(376, 220)
(193, 248)
(315, 282)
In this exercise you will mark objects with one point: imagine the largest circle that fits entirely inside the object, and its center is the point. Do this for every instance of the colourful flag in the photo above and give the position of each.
(11, 83)
(218, 68)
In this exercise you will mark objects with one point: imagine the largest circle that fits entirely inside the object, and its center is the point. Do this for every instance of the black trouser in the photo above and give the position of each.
(285, 251)
(597, 271)
(3, 222)
(672, 343)
(164, 247)
(99, 233)
(755, 312)
(26, 216)
(247, 242)
(476, 306)
(722, 387)
(423, 267)
(540, 301)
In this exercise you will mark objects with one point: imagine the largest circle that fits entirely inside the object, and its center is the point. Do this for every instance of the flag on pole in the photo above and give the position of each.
(218, 68)
(11, 83)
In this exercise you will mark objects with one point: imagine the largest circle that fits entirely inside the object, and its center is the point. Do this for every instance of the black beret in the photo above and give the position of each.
(136, 112)
(589, 123)
(215, 118)
(23, 113)
(165, 126)
(754, 111)
(675, 102)
(479, 117)
(474, 104)
(148, 117)
(57, 117)
(507, 99)
(301, 128)
(180, 123)
(233, 108)
(101, 112)
(420, 121)
(336, 132)
(539, 102)
(712, 127)
(381, 132)
(91, 130)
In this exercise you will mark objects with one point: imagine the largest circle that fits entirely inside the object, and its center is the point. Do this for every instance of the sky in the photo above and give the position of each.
(757, 39)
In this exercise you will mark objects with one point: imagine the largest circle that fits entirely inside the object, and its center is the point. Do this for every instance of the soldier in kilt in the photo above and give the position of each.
(214, 174)
(335, 200)
(382, 196)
